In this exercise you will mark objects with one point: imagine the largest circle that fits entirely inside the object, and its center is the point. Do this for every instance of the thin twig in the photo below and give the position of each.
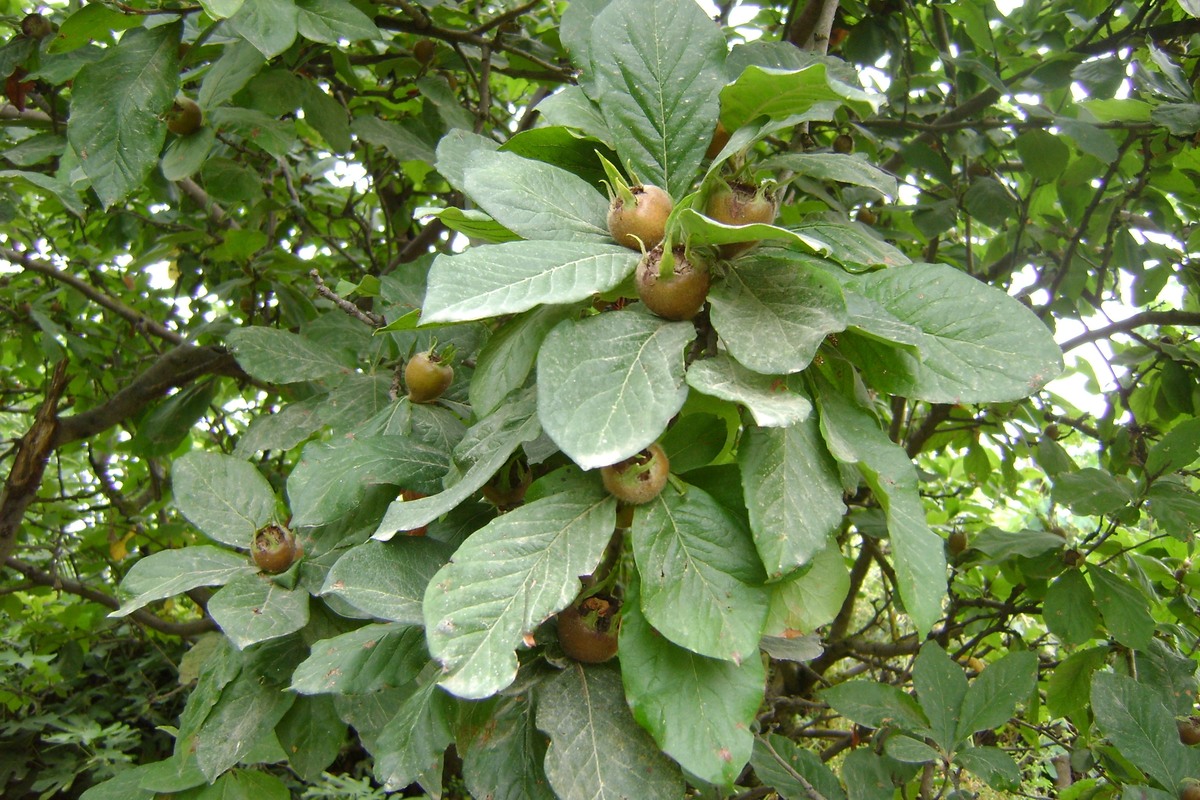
(368, 317)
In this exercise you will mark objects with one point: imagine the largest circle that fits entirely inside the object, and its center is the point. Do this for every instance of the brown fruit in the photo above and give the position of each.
(35, 26)
(275, 549)
(740, 204)
(586, 632)
(843, 143)
(1189, 730)
(427, 377)
(185, 117)
(1190, 792)
(639, 478)
(407, 495)
(679, 296)
(424, 51)
(957, 543)
(642, 224)
(866, 216)
(720, 138)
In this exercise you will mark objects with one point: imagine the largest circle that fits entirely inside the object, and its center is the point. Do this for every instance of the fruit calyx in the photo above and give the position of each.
(741, 204)
(639, 478)
(428, 375)
(672, 284)
(587, 631)
(275, 548)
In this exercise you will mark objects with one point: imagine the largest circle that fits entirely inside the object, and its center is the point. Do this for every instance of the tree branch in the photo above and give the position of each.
(1190, 318)
(141, 616)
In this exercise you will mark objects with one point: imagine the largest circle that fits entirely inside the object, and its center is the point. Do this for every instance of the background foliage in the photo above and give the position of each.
(893, 559)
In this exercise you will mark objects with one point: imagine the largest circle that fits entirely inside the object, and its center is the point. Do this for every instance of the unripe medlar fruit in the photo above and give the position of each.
(275, 549)
(640, 225)
(427, 377)
(1189, 730)
(35, 26)
(586, 632)
(866, 216)
(741, 204)
(185, 117)
(843, 143)
(639, 478)
(678, 296)
(1190, 792)
(424, 51)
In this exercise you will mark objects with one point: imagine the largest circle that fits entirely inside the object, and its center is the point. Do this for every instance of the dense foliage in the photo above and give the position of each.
(318, 343)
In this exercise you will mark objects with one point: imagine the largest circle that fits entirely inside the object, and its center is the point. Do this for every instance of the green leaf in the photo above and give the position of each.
(992, 698)
(699, 575)
(657, 67)
(254, 608)
(1175, 507)
(1002, 545)
(504, 760)
(777, 760)
(329, 21)
(1070, 609)
(116, 108)
(910, 750)
(413, 742)
(171, 572)
(248, 711)
(368, 659)
(835, 167)
(170, 421)
(332, 477)
(774, 313)
(853, 436)
(981, 345)
(227, 498)
(221, 9)
(993, 765)
(537, 200)
(475, 225)
(312, 734)
(699, 710)
(1178, 449)
(456, 151)
(1125, 610)
(778, 94)
(125, 785)
(1044, 154)
(328, 117)
(990, 202)
(508, 278)
(793, 493)
(1091, 491)
(505, 362)
(875, 705)
(769, 399)
(869, 774)
(608, 384)
(1068, 690)
(483, 450)
(269, 25)
(401, 143)
(62, 191)
(274, 137)
(278, 356)
(186, 155)
(812, 599)
(240, 61)
(853, 245)
(90, 23)
(941, 687)
(1141, 727)
(597, 750)
(506, 579)
(387, 579)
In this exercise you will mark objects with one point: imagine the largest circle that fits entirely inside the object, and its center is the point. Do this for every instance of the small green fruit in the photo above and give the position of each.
(185, 117)
(427, 377)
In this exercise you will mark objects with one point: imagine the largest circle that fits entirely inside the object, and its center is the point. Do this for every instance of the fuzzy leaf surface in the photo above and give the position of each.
(508, 278)
(506, 579)
(802, 604)
(506, 759)
(1133, 717)
(368, 659)
(254, 608)
(387, 579)
(608, 384)
(837, 167)
(227, 498)
(279, 356)
(769, 399)
(169, 572)
(509, 356)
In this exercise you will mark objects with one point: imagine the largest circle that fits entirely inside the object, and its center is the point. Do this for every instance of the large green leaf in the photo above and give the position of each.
(700, 710)
(597, 750)
(332, 477)
(854, 246)
(981, 345)
(853, 436)
(505, 759)
(171, 572)
(793, 493)
(836, 167)
(769, 399)
(1141, 727)
(778, 761)
(1070, 609)
(995, 766)
(1178, 449)
(269, 25)
(368, 659)
(993, 696)
(537, 200)
(608, 384)
(387, 579)
(1069, 689)
(507, 578)
(279, 356)
(774, 313)
(941, 687)
(312, 735)
(802, 604)
(505, 362)
(483, 450)
(699, 575)
(875, 704)
(116, 108)
(238, 64)
(1091, 491)
(412, 742)
(1125, 610)
(779, 93)
(507, 278)
(227, 498)
(249, 709)
(254, 608)
(657, 67)
(329, 21)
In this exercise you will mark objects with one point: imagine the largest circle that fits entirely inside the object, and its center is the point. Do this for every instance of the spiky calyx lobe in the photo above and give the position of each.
(639, 221)
(681, 293)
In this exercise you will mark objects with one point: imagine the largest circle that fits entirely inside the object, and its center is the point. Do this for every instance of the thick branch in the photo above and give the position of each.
(1168, 30)
(141, 616)
(173, 368)
(1143, 319)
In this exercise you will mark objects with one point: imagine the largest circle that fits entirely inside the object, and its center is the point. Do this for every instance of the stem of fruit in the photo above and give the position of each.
(604, 577)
